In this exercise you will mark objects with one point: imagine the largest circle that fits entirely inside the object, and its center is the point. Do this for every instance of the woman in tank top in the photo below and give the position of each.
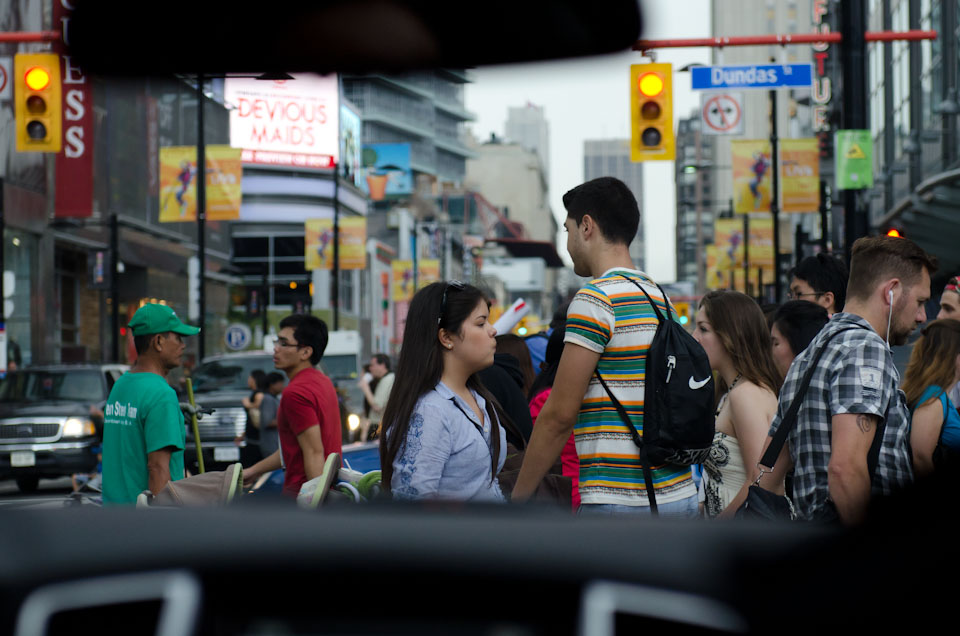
(733, 331)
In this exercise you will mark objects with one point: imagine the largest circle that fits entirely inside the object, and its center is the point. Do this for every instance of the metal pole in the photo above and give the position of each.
(114, 288)
(3, 268)
(775, 197)
(789, 38)
(853, 106)
(335, 287)
(824, 209)
(201, 217)
(698, 190)
(746, 254)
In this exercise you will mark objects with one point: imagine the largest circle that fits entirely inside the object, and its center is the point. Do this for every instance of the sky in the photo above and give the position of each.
(589, 99)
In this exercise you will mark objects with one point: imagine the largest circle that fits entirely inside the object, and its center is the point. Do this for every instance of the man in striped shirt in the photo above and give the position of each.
(610, 325)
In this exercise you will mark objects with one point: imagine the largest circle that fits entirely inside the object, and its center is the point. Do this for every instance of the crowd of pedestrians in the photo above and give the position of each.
(464, 402)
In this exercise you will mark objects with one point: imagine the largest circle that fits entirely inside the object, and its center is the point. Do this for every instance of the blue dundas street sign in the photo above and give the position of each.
(753, 76)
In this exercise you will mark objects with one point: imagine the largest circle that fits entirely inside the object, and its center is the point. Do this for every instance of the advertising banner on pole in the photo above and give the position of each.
(761, 244)
(800, 175)
(853, 157)
(178, 183)
(752, 166)
(402, 280)
(318, 243)
(428, 271)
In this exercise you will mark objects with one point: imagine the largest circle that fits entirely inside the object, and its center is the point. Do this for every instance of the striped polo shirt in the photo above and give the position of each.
(610, 316)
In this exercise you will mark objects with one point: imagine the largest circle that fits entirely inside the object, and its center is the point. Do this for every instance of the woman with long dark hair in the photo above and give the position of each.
(733, 331)
(442, 436)
(934, 367)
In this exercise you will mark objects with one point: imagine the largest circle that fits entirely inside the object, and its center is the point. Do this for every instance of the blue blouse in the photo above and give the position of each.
(447, 451)
(950, 435)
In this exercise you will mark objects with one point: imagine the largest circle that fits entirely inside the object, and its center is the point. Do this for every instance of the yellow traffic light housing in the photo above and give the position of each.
(37, 102)
(683, 312)
(651, 112)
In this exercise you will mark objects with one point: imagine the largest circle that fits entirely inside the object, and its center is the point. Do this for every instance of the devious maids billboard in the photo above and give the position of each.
(285, 122)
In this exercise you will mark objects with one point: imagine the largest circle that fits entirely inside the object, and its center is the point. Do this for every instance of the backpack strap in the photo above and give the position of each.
(637, 440)
(789, 421)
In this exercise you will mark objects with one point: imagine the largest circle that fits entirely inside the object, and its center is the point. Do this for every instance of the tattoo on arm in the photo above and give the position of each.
(865, 423)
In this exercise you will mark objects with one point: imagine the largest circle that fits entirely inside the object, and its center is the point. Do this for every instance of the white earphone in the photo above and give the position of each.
(891, 296)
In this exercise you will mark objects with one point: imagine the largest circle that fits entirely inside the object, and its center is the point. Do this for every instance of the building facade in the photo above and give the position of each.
(611, 158)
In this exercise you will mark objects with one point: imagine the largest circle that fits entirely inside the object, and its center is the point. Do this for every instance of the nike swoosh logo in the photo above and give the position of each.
(695, 384)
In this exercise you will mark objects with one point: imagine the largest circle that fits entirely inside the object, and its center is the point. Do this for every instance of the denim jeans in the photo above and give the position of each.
(683, 509)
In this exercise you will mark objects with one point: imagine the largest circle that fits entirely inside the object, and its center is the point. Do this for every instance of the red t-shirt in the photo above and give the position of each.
(569, 459)
(309, 400)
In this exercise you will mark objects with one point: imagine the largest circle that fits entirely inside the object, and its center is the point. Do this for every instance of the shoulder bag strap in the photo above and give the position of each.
(789, 420)
(656, 309)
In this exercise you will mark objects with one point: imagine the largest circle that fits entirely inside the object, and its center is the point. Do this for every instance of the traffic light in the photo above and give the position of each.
(37, 105)
(683, 312)
(651, 112)
(895, 230)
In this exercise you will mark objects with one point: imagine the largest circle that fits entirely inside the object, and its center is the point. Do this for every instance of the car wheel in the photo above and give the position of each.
(28, 484)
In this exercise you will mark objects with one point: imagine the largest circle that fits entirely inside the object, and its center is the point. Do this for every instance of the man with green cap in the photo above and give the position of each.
(143, 430)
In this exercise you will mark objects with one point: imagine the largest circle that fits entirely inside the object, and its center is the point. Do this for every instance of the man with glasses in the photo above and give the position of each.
(143, 430)
(820, 279)
(308, 421)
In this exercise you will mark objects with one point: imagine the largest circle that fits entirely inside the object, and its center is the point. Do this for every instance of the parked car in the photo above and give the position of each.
(220, 383)
(47, 425)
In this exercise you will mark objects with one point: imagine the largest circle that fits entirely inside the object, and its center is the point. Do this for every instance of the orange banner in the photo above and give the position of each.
(800, 170)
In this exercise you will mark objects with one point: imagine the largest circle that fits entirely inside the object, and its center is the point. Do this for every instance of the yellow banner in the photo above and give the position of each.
(428, 271)
(318, 243)
(178, 183)
(800, 170)
(752, 169)
(402, 280)
(728, 239)
(761, 243)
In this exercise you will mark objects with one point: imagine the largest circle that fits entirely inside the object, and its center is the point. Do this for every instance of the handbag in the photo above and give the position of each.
(760, 502)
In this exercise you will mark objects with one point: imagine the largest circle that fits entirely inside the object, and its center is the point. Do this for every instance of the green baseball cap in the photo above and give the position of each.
(152, 318)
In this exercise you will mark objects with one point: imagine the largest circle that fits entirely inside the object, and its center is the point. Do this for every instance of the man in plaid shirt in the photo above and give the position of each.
(855, 388)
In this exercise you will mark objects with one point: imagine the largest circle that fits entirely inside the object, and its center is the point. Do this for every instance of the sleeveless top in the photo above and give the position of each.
(723, 474)
(948, 444)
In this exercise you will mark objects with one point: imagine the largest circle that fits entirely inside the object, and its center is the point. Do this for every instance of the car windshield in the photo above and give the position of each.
(228, 374)
(341, 366)
(44, 386)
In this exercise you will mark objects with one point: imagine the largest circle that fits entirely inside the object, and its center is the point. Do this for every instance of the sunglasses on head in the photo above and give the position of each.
(456, 284)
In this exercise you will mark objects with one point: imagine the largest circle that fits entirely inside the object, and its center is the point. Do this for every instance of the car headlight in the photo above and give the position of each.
(78, 427)
(353, 421)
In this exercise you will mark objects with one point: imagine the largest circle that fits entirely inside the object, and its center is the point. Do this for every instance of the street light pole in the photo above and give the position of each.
(114, 288)
(201, 217)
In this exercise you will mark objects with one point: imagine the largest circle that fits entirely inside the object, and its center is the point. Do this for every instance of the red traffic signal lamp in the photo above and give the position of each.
(651, 112)
(895, 230)
(37, 102)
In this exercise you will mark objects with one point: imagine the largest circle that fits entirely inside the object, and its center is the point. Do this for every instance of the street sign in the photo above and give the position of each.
(722, 113)
(6, 68)
(758, 76)
(237, 336)
(853, 159)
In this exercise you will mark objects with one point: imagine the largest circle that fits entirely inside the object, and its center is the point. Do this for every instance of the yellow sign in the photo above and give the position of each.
(800, 175)
(855, 152)
(761, 244)
(178, 183)
(318, 243)
(402, 280)
(428, 271)
(752, 169)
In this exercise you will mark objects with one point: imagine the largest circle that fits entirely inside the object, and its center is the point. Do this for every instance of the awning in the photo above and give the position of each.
(930, 216)
(524, 248)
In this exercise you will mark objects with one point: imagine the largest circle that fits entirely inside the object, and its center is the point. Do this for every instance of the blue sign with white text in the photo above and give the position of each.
(755, 76)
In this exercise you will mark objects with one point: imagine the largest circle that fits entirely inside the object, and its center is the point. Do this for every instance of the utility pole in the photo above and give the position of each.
(853, 25)
(201, 217)
(775, 198)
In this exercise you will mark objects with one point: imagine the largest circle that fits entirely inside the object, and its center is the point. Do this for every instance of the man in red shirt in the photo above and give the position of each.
(309, 417)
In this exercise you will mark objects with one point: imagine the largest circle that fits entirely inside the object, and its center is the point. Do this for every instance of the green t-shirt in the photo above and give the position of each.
(142, 415)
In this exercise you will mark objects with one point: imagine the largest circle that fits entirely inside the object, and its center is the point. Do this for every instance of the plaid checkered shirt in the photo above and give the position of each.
(855, 375)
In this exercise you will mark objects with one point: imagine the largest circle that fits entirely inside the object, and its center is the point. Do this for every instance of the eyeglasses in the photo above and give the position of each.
(456, 284)
(280, 342)
(792, 295)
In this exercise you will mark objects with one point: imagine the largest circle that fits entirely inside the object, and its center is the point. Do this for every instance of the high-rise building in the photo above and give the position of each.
(611, 158)
(695, 189)
(527, 126)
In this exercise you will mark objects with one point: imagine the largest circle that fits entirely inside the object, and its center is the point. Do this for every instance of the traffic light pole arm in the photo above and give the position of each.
(781, 39)
(29, 36)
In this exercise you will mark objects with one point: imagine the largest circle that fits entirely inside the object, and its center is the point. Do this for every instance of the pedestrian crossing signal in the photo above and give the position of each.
(683, 312)
(37, 106)
(651, 112)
